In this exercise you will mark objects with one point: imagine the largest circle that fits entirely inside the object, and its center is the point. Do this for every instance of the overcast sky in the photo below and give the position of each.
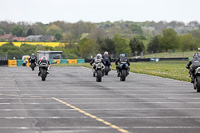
(99, 10)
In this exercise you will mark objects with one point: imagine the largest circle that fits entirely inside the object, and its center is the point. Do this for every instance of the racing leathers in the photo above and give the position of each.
(119, 60)
(195, 62)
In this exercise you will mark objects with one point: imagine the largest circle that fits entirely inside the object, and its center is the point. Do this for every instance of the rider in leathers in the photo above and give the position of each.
(121, 58)
(195, 62)
(33, 58)
(96, 59)
(43, 59)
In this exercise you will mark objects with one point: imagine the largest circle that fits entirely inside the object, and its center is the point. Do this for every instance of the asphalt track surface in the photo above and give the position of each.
(71, 101)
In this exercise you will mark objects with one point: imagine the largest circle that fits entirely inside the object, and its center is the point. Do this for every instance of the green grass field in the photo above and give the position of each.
(167, 69)
(170, 55)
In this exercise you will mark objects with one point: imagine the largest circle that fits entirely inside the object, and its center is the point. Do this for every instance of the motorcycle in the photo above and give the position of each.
(107, 67)
(123, 71)
(43, 67)
(33, 65)
(197, 79)
(98, 71)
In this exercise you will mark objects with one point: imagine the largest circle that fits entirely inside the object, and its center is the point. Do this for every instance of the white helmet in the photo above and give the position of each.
(99, 56)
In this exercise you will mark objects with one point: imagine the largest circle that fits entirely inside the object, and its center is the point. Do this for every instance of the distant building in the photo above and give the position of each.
(40, 38)
(7, 37)
(50, 54)
(19, 39)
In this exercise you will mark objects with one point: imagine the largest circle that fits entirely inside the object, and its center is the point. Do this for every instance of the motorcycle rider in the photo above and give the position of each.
(106, 57)
(122, 58)
(97, 59)
(44, 59)
(195, 62)
(33, 58)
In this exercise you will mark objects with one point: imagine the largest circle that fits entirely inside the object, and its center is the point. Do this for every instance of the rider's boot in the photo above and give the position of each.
(39, 73)
(192, 79)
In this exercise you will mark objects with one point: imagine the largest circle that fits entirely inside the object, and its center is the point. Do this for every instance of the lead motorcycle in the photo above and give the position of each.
(197, 79)
(43, 68)
(123, 71)
(98, 71)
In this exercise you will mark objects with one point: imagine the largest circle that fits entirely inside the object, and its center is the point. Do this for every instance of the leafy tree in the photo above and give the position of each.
(39, 28)
(30, 32)
(1, 31)
(136, 45)
(69, 38)
(121, 44)
(53, 30)
(187, 42)
(58, 36)
(169, 40)
(106, 44)
(154, 45)
(86, 48)
(17, 31)
(135, 29)
(13, 51)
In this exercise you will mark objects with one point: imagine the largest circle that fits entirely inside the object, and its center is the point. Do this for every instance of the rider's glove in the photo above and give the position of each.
(187, 67)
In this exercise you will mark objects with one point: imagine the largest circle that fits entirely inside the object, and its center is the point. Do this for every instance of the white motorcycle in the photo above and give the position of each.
(98, 71)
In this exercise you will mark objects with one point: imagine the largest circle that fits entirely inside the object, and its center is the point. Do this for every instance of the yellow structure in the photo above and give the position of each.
(71, 61)
(12, 63)
(51, 44)
(57, 61)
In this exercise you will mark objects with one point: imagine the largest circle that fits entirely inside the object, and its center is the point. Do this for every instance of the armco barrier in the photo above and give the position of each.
(147, 59)
(80, 60)
(171, 59)
(88, 60)
(3, 62)
(12, 63)
(63, 61)
(70, 61)
(19, 62)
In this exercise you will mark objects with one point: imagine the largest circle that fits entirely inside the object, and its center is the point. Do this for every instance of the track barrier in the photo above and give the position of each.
(15, 63)
(12, 63)
(70, 61)
(19, 63)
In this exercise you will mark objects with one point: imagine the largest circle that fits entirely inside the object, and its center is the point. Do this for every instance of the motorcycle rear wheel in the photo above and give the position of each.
(198, 84)
(44, 74)
(106, 70)
(123, 75)
(98, 76)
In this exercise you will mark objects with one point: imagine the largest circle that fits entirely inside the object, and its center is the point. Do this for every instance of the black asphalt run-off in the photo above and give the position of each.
(71, 101)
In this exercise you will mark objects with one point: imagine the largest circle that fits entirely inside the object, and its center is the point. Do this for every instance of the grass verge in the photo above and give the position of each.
(167, 69)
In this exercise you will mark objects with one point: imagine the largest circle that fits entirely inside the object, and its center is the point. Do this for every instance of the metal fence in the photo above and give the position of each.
(4, 56)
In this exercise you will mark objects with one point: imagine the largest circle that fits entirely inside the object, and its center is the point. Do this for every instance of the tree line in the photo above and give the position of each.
(118, 37)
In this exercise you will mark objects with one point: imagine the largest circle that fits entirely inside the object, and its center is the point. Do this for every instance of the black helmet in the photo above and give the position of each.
(195, 55)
